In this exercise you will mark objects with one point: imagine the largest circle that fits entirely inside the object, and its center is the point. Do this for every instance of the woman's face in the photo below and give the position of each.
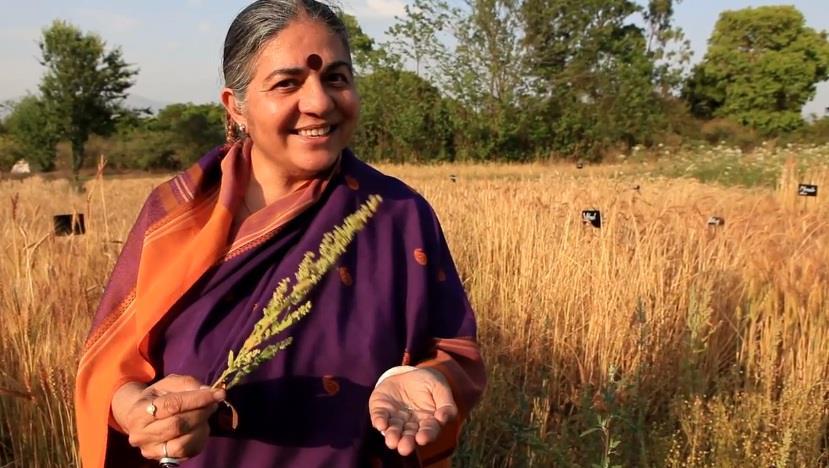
(301, 106)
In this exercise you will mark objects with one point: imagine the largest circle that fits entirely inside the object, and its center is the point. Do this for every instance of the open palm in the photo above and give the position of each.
(410, 409)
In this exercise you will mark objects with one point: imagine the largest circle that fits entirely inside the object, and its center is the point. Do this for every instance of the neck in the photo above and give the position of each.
(268, 182)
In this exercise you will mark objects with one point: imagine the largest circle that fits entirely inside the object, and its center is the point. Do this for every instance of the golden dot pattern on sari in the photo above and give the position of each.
(420, 257)
(330, 384)
(345, 276)
(352, 183)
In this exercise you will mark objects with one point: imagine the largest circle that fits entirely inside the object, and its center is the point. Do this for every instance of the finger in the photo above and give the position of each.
(171, 427)
(180, 402)
(394, 432)
(428, 431)
(406, 445)
(176, 383)
(445, 414)
(143, 413)
(380, 418)
(190, 445)
(153, 451)
(446, 410)
(183, 447)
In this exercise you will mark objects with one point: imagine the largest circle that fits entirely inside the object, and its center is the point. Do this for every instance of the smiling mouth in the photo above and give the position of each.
(315, 132)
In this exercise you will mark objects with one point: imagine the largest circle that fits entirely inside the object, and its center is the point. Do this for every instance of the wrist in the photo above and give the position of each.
(439, 376)
(397, 370)
(123, 400)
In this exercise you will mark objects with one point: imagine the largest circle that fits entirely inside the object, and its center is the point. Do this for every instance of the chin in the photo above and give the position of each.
(316, 161)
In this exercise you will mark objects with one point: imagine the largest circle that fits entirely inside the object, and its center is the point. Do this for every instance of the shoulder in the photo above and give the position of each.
(191, 184)
(398, 197)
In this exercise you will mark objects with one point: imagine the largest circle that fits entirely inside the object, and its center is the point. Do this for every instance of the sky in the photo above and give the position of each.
(176, 44)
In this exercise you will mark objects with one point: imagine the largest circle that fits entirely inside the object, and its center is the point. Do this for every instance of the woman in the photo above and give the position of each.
(380, 373)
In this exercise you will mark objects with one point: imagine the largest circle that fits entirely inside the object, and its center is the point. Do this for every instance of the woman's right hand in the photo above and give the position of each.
(182, 408)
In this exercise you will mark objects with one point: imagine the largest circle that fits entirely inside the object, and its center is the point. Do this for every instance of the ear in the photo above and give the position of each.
(232, 106)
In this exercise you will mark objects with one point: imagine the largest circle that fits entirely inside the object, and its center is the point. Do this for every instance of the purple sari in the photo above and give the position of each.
(393, 298)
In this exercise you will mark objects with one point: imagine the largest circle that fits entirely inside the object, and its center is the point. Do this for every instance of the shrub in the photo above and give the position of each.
(10, 152)
(144, 150)
(729, 133)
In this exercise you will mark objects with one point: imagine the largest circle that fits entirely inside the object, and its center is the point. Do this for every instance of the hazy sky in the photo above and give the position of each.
(177, 43)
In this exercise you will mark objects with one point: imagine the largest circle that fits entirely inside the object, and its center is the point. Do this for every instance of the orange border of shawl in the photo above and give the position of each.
(176, 252)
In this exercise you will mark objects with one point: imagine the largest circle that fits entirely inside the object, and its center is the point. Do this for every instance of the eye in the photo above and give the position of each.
(285, 84)
(338, 79)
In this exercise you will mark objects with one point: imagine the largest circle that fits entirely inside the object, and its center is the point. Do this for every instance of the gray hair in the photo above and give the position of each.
(257, 24)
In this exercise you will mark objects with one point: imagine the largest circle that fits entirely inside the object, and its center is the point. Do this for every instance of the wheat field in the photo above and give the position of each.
(656, 340)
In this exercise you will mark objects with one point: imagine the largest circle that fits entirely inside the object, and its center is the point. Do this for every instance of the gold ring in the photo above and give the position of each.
(151, 409)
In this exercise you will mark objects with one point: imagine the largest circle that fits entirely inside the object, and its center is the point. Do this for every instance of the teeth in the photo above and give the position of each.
(315, 132)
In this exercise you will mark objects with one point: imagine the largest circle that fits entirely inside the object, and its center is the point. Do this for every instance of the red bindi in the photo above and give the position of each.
(314, 62)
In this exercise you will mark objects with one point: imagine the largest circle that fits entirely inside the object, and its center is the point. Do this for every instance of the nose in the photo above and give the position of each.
(315, 98)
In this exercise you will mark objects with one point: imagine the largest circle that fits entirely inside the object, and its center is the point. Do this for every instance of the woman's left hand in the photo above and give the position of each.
(411, 408)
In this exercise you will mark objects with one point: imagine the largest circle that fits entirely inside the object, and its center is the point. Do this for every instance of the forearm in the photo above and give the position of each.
(124, 399)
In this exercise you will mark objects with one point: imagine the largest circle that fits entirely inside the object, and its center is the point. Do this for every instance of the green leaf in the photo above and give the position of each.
(589, 431)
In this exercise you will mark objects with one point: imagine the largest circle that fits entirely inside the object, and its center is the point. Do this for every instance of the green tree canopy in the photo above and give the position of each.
(174, 139)
(83, 86)
(403, 118)
(194, 129)
(591, 66)
(365, 54)
(762, 66)
(30, 128)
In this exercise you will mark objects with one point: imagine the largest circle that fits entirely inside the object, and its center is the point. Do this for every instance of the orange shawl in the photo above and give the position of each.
(182, 231)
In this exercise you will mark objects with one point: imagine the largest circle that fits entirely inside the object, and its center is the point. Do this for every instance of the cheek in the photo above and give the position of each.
(267, 114)
(350, 105)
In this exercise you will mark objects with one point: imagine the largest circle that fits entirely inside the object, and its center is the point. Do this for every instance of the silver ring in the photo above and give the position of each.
(151, 409)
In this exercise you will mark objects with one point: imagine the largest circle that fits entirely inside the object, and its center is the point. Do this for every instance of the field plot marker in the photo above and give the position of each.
(592, 217)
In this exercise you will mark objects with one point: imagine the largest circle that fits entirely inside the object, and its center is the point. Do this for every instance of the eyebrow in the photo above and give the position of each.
(296, 71)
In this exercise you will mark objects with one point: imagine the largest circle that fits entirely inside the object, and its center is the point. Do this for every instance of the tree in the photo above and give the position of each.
(403, 118)
(83, 87)
(667, 46)
(175, 138)
(486, 78)
(416, 35)
(590, 63)
(761, 67)
(364, 51)
(30, 128)
(193, 128)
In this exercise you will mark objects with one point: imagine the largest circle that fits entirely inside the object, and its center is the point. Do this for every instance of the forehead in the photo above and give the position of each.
(296, 43)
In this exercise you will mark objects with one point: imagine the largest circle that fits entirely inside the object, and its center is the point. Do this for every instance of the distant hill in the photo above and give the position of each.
(140, 102)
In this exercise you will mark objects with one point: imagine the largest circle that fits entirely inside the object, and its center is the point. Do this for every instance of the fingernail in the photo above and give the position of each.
(204, 387)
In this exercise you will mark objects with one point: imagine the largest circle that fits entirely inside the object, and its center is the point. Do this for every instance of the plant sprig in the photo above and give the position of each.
(288, 305)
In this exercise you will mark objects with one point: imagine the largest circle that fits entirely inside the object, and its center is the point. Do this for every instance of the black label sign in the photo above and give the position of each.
(592, 217)
(68, 224)
(807, 190)
(716, 221)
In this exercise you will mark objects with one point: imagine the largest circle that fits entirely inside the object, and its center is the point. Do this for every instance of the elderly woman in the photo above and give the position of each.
(384, 368)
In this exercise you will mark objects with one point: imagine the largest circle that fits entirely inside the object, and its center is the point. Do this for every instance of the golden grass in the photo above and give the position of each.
(701, 346)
